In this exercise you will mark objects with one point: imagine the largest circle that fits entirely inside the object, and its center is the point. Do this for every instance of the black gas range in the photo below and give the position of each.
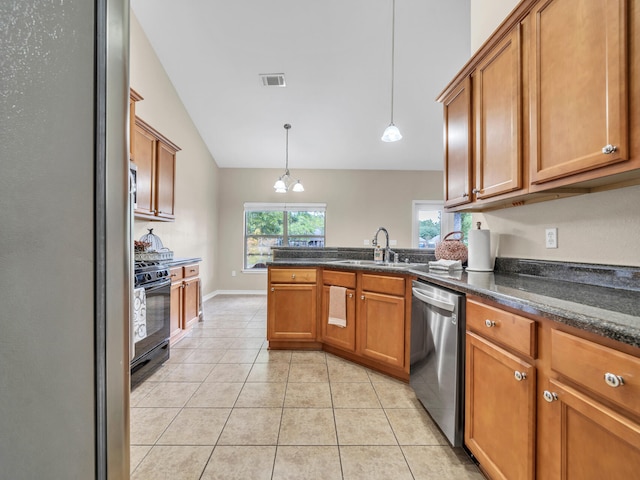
(151, 318)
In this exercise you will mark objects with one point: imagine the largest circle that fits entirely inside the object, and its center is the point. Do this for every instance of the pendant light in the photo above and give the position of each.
(285, 182)
(391, 133)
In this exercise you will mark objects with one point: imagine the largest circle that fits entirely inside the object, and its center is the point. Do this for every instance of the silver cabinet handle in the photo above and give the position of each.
(351, 295)
(489, 323)
(465, 195)
(519, 376)
(550, 396)
(609, 149)
(361, 297)
(613, 380)
(293, 275)
(475, 190)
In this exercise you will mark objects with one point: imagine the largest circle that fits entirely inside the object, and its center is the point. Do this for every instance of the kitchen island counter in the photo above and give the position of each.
(604, 300)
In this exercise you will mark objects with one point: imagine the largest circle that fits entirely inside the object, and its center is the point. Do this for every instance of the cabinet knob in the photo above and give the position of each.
(609, 149)
(293, 275)
(489, 323)
(273, 289)
(519, 376)
(465, 195)
(613, 380)
(361, 297)
(351, 295)
(550, 396)
(475, 190)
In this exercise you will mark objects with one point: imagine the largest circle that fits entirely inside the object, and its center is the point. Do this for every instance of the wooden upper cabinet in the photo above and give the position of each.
(497, 97)
(133, 98)
(457, 145)
(578, 87)
(155, 159)
(144, 154)
(165, 179)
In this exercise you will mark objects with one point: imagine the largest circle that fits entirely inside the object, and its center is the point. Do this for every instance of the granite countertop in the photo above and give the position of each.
(605, 301)
(176, 262)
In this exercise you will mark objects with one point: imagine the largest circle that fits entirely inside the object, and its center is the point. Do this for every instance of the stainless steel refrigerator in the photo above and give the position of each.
(64, 240)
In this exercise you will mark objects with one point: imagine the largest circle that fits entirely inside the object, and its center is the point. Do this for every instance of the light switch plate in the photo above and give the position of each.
(551, 238)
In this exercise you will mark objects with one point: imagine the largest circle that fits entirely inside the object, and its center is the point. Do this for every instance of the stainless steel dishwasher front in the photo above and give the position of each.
(437, 356)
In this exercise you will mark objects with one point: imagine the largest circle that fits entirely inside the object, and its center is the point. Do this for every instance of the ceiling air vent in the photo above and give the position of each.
(272, 79)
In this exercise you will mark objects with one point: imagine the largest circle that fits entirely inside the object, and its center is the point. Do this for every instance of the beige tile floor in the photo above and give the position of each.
(225, 407)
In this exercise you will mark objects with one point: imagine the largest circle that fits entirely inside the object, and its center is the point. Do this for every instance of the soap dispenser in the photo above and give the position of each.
(377, 254)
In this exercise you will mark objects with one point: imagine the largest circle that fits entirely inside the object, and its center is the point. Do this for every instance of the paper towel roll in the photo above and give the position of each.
(479, 251)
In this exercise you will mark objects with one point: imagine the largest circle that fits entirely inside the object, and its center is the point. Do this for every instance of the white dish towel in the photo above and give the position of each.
(139, 314)
(338, 306)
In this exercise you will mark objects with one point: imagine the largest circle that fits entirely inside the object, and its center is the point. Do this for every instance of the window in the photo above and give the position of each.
(431, 224)
(269, 225)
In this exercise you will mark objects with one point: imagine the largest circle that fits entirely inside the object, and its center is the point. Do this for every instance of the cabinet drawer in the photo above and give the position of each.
(514, 331)
(590, 365)
(191, 270)
(176, 273)
(339, 279)
(293, 275)
(383, 284)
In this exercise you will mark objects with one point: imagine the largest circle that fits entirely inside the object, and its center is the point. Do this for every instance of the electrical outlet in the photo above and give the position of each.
(233, 273)
(366, 241)
(551, 237)
(393, 243)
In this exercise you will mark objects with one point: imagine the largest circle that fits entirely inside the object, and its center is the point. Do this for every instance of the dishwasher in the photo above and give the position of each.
(437, 356)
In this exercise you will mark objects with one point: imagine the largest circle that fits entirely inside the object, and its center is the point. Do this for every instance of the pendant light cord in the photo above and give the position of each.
(286, 167)
(393, 50)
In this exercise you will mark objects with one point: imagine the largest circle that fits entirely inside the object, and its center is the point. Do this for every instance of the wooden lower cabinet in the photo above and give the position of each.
(378, 311)
(185, 300)
(550, 402)
(292, 305)
(292, 312)
(500, 390)
(381, 326)
(342, 337)
(586, 439)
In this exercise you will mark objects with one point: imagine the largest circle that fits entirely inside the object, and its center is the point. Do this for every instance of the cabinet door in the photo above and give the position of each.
(457, 145)
(500, 410)
(381, 323)
(333, 334)
(588, 440)
(190, 302)
(578, 87)
(144, 158)
(176, 310)
(497, 99)
(292, 312)
(165, 180)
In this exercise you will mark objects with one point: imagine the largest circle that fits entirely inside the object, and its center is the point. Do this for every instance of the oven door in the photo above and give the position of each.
(154, 328)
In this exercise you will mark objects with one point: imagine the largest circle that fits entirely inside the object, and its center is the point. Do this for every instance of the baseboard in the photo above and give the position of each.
(233, 292)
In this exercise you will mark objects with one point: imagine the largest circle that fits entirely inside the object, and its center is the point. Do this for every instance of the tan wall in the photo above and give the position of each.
(486, 15)
(595, 228)
(195, 231)
(599, 228)
(358, 202)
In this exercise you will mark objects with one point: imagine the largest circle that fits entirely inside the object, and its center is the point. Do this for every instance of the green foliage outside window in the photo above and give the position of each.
(266, 229)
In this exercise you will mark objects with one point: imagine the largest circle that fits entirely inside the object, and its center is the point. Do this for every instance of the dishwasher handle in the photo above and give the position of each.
(421, 295)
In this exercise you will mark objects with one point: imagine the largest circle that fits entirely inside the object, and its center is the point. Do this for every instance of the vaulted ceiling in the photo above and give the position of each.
(336, 58)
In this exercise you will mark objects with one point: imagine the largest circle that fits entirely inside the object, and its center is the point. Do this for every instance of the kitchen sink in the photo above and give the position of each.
(371, 263)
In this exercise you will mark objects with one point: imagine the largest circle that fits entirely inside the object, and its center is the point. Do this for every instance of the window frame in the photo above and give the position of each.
(284, 208)
(447, 219)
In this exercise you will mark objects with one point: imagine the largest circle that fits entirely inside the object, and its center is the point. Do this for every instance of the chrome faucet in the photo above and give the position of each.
(387, 251)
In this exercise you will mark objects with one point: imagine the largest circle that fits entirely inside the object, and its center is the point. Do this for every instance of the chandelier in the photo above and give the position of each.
(286, 182)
